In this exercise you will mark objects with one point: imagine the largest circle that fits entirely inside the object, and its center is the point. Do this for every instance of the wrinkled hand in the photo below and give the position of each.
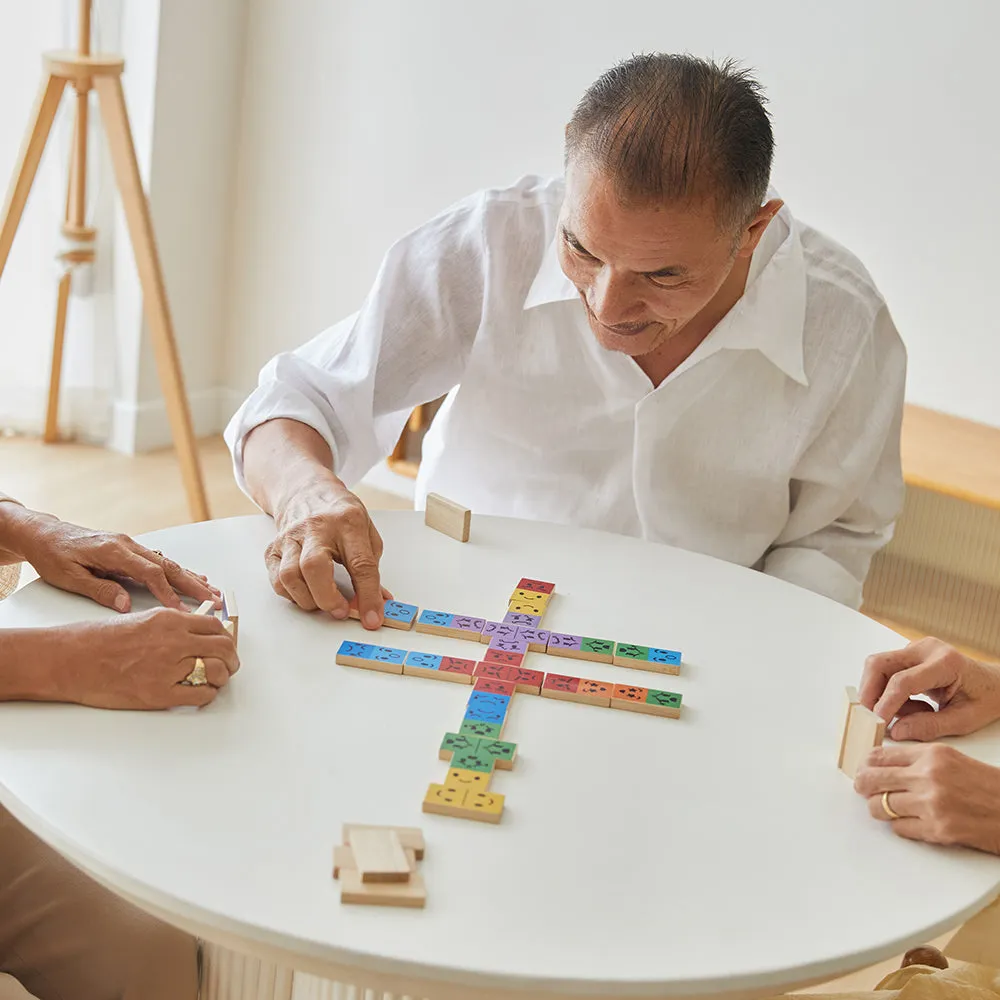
(321, 526)
(89, 562)
(966, 692)
(941, 795)
(139, 661)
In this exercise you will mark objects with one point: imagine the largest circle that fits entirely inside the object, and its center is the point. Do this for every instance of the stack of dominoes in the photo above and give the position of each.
(377, 866)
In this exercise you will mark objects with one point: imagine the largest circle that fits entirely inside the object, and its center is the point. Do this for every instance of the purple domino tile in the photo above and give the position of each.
(464, 623)
(522, 620)
(534, 636)
(498, 630)
(562, 640)
(515, 645)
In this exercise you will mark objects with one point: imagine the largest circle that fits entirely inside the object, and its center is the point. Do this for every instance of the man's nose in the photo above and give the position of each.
(612, 298)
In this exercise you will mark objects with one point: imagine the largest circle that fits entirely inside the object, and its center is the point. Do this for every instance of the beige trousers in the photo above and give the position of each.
(64, 937)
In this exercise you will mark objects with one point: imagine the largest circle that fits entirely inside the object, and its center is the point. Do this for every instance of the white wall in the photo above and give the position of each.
(361, 120)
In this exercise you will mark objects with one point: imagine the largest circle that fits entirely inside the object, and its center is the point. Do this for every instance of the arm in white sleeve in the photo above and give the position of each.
(848, 488)
(356, 382)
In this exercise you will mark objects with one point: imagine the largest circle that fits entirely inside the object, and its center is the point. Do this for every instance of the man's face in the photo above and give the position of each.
(642, 273)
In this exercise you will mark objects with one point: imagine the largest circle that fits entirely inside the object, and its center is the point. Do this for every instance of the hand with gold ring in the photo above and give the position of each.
(197, 677)
(934, 793)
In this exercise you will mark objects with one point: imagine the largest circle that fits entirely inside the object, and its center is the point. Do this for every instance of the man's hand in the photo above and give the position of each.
(134, 662)
(89, 562)
(966, 692)
(942, 796)
(321, 525)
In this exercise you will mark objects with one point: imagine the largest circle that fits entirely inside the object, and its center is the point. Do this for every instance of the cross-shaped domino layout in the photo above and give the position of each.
(476, 749)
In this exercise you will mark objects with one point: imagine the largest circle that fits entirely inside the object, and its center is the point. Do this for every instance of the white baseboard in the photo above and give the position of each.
(83, 413)
(139, 427)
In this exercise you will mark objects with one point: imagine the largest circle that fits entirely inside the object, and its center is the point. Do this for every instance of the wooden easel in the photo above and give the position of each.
(103, 73)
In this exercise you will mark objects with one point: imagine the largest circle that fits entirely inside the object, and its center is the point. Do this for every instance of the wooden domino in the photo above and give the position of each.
(498, 630)
(493, 685)
(536, 638)
(661, 661)
(525, 681)
(536, 586)
(205, 608)
(594, 692)
(560, 686)
(439, 668)
(503, 658)
(379, 857)
(647, 701)
(395, 614)
(580, 647)
(445, 623)
(231, 612)
(530, 597)
(445, 800)
(448, 517)
(411, 893)
(343, 858)
(371, 657)
(863, 731)
(411, 837)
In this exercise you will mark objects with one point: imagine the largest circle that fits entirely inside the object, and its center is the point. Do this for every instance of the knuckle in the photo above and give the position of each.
(364, 565)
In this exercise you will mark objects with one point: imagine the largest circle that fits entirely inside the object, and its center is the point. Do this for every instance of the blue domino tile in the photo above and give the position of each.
(522, 619)
(400, 612)
(664, 656)
(426, 661)
(440, 619)
(386, 654)
(485, 707)
(361, 650)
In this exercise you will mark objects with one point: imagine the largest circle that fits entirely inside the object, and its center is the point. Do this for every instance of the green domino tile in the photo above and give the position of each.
(459, 742)
(486, 730)
(630, 651)
(667, 699)
(605, 647)
(498, 749)
(473, 760)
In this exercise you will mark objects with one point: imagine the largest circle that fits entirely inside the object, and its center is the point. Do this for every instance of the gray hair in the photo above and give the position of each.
(675, 128)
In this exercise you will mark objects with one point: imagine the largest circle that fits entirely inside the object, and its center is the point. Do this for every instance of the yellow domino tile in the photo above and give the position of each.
(486, 807)
(526, 608)
(471, 781)
(443, 800)
(530, 597)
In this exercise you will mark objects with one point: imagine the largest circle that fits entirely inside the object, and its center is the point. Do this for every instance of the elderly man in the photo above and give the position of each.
(62, 935)
(652, 346)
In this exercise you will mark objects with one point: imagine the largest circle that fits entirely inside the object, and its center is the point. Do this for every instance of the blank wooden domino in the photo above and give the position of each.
(863, 731)
(369, 657)
(412, 893)
(343, 858)
(379, 857)
(205, 608)
(484, 807)
(231, 612)
(230, 628)
(411, 837)
(448, 517)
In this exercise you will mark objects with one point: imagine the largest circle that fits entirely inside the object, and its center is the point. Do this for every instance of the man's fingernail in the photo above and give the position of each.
(339, 613)
(121, 603)
(371, 619)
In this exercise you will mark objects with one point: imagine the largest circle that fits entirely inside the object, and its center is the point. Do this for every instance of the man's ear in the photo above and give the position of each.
(754, 229)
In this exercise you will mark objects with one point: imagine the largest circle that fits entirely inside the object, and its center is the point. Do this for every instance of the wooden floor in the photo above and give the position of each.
(103, 489)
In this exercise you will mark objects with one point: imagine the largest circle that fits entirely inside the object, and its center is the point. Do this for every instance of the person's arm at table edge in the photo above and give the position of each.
(12, 519)
(26, 656)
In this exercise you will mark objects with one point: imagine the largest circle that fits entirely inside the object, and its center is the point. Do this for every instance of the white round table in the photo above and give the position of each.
(719, 854)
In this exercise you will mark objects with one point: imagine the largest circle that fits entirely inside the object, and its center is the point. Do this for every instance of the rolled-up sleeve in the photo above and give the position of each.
(356, 382)
(848, 488)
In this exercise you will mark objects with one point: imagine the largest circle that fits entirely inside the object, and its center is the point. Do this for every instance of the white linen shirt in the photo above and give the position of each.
(774, 445)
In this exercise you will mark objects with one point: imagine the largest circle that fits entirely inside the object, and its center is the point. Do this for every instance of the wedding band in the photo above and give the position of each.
(887, 809)
(157, 552)
(197, 676)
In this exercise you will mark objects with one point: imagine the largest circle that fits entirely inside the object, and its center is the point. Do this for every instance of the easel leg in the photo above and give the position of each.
(116, 125)
(55, 377)
(27, 165)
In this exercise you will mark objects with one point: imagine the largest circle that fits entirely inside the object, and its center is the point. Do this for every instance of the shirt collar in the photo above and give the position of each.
(769, 317)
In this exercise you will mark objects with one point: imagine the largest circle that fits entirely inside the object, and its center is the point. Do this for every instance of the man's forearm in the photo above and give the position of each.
(17, 525)
(27, 664)
(284, 460)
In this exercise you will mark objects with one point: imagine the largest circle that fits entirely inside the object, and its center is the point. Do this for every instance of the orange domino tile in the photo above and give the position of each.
(595, 692)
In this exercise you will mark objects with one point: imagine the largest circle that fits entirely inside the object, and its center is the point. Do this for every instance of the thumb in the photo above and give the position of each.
(107, 593)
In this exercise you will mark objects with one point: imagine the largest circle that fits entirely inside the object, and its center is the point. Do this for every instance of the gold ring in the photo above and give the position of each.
(157, 552)
(197, 676)
(889, 811)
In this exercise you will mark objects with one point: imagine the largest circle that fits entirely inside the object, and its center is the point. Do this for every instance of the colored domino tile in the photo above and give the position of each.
(434, 622)
(536, 638)
(466, 627)
(492, 685)
(503, 657)
(539, 602)
(498, 630)
(518, 644)
(664, 661)
(370, 657)
(560, 686)
(498, 671)
(503, 753)
(470, 780)
(474, 760)
(598, 650)
(523, 607)
(484, 807)
(563, 644)
(525, 681)
(647, 701)
(457, 669)
(457, 743)
(421, 664)
(522, 620)
(594, 693)
(481, 729)
(536, 586)
(399, 615)
(487, 707)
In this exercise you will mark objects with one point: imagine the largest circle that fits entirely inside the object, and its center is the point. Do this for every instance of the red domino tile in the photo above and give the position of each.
(498, 671)
(456, 665)
(538, 586)
(526, 681)
(503, 657)
(492, 686)
(561, 682)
